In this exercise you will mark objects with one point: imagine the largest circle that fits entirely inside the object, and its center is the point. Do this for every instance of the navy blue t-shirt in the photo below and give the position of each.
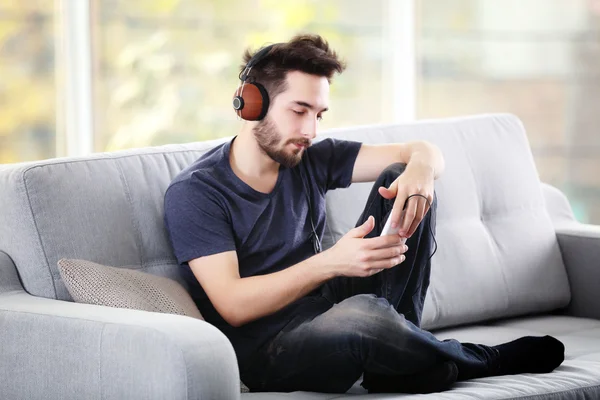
(210, 210)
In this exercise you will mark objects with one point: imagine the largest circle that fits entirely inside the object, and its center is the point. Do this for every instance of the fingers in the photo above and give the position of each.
(385, 264)
(384, 254)
(378, 259)
(381, 242)
(386, 193)
(422, 204)
(409, 215)
(398, 210)
(423, 207)
(390, 192)
(364, 229)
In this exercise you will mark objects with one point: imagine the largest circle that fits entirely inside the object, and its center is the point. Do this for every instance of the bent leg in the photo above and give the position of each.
(329, 352)
(405, 285)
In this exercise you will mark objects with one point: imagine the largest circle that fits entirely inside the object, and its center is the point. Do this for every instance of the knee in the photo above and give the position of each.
(367, 315)
(392, 171)
(368, 325)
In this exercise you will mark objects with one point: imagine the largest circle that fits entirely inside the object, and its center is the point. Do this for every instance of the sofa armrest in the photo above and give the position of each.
(51, 349)
(580, 247)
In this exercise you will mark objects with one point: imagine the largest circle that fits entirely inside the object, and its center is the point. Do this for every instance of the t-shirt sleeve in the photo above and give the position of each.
(197, 225)
(333, 162)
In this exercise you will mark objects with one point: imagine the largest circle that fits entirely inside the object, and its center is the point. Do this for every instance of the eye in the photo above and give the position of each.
(320, 117)
(299, 112)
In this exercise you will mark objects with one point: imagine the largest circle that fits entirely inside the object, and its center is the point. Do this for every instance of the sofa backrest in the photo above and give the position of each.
(106, 208)
(497, 251)
(497, 254)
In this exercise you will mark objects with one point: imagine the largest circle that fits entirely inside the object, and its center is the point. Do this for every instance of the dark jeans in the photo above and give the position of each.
(366, 325)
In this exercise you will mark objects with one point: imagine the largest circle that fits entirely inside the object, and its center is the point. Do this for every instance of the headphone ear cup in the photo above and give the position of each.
(253, 103)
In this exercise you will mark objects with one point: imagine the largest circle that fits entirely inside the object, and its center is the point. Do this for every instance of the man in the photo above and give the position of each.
(241, 223)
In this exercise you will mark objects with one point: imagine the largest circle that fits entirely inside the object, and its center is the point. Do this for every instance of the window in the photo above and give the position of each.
(27, 87)
(166, 71)
(537, 59)
(144, 73)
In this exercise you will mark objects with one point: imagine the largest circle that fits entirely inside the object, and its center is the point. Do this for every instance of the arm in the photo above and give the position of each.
(72, 350)
(580, 248)
(242, 300)
(373, 159)
(203, 237)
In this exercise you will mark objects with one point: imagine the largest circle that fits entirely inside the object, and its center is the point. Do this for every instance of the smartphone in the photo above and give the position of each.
(388, 230)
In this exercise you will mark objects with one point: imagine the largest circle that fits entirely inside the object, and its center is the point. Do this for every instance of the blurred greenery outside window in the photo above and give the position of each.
(27, 84)
(164, 71)
(538, 59)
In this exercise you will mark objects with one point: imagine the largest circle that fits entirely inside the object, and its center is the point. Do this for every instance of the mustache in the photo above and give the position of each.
(303, 142)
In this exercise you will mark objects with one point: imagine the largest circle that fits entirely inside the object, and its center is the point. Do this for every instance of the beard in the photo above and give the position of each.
(269, 139)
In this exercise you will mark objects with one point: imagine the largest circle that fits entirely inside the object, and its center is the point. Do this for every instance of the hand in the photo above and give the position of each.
(416, 179)
(353, 255)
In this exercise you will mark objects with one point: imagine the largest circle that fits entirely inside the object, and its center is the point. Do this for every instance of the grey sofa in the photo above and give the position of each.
(511, 261)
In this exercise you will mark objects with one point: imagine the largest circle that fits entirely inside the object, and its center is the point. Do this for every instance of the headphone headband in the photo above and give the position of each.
(256, 58)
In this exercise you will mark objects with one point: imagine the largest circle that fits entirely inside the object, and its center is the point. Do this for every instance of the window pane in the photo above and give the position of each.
(166, 71)
(537, 59)
(27, 89)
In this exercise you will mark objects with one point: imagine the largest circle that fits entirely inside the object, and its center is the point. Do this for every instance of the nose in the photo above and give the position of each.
(310, 128)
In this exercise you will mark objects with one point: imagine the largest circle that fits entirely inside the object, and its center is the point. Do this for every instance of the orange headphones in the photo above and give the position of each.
(251, 100)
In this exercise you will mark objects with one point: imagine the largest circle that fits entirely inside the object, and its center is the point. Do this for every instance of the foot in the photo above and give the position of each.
(435, 379)
(530, 354)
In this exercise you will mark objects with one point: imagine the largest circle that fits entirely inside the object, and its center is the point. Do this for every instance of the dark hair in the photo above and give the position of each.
(306, 53)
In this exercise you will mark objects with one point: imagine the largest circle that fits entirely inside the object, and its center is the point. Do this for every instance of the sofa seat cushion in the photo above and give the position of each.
(577, 378)
(581, 336)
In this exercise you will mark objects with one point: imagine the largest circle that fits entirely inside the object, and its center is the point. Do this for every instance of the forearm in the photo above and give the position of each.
(258, 296)
(425, 155)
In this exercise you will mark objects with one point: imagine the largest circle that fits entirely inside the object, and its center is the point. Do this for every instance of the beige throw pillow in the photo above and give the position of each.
(92, 283)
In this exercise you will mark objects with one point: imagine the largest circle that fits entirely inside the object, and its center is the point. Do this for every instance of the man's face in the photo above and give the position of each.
(292, 121)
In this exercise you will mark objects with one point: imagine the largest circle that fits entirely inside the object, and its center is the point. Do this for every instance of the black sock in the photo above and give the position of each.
(435, 379)
(529, 354)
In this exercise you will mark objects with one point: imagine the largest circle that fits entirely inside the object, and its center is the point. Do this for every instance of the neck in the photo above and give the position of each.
(247, 159)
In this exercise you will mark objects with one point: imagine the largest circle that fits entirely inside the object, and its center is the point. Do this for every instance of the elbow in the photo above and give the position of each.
(237, 321)
(240, 315)
(233, 315)
(234, 307)
(234, 321)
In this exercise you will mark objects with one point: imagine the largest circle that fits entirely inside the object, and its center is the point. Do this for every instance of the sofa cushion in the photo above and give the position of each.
(577, 380)
(109, 207)
(93, 283)
(497, 254)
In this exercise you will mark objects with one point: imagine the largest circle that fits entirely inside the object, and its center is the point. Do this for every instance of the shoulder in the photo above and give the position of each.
(203, 166)
(331, 150)
(330, 145)
(321, 145)
(200, 180)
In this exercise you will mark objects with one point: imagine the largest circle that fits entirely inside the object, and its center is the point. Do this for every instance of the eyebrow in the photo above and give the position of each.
(309, 106)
